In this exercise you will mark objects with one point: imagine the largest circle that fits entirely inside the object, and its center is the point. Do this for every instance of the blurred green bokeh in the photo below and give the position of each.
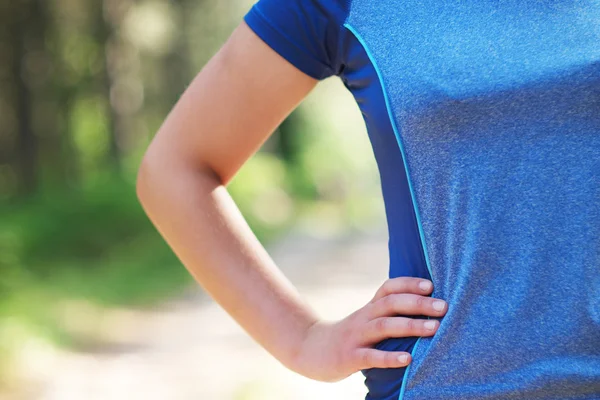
(84, 85)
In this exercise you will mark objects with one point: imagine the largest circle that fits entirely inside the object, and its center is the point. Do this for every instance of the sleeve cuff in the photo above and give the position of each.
(284, 46)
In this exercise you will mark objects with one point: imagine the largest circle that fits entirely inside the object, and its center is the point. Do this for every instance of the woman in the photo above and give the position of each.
(485, 122)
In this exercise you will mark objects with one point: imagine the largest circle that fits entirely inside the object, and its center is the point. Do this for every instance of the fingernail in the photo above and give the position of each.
(430, 325)
(425, 286)
(438, 305)
(403, 358)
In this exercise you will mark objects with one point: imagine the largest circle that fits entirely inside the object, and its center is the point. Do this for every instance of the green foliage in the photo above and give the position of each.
(71, 226)
(260, 190)
(90, 132)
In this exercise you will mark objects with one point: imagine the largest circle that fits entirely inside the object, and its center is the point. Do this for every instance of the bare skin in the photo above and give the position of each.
(229, 110)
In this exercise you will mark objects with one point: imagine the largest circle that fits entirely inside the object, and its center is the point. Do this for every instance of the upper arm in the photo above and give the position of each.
(232, 106)
(270, 62)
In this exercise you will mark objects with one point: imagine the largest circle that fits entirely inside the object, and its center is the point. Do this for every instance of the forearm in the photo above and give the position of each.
(200, 221)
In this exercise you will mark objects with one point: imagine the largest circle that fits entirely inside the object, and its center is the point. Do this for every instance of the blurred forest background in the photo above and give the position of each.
(84, 85)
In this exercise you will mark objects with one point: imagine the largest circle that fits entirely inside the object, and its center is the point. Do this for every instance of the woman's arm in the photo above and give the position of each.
(226, 114)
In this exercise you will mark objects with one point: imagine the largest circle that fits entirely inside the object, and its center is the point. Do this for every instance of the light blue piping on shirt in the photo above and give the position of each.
(412, 194)
(398, 139)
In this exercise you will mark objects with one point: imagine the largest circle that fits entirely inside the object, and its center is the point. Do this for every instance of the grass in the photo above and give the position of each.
(94, 246)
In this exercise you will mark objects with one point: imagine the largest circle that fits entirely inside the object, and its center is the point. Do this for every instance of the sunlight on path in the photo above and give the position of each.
(191, 349)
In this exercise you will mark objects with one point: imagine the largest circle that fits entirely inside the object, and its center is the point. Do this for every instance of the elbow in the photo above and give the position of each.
(169, 168)
(143, 178)
(166, 170)
(149, 175)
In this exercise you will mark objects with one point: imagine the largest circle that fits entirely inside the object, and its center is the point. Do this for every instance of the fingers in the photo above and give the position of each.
(371, 358)
(407, 303)
(403, 295)
(404, 284)
(387, 327)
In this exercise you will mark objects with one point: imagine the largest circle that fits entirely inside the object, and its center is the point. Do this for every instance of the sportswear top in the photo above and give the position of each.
(484, 118)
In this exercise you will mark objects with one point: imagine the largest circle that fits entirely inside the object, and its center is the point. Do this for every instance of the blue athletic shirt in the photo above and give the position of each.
(484, 118)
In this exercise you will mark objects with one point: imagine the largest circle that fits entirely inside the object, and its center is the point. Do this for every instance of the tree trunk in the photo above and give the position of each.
(26, 138)
(103, 33)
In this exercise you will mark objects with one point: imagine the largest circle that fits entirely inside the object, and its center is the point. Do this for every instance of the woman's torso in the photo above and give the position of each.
(485, 122)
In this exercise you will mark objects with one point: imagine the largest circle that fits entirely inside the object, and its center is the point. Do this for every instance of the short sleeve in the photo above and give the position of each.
(304, 32)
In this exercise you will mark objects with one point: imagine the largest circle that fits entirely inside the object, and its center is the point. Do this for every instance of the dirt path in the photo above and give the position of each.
(189, 348)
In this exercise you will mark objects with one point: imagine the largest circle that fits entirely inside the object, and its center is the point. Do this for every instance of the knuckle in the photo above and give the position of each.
(363, 357)
(388, 302)
(358, 357)
(410, 325)
(382, 324)
(419, 301)
(369, 358)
